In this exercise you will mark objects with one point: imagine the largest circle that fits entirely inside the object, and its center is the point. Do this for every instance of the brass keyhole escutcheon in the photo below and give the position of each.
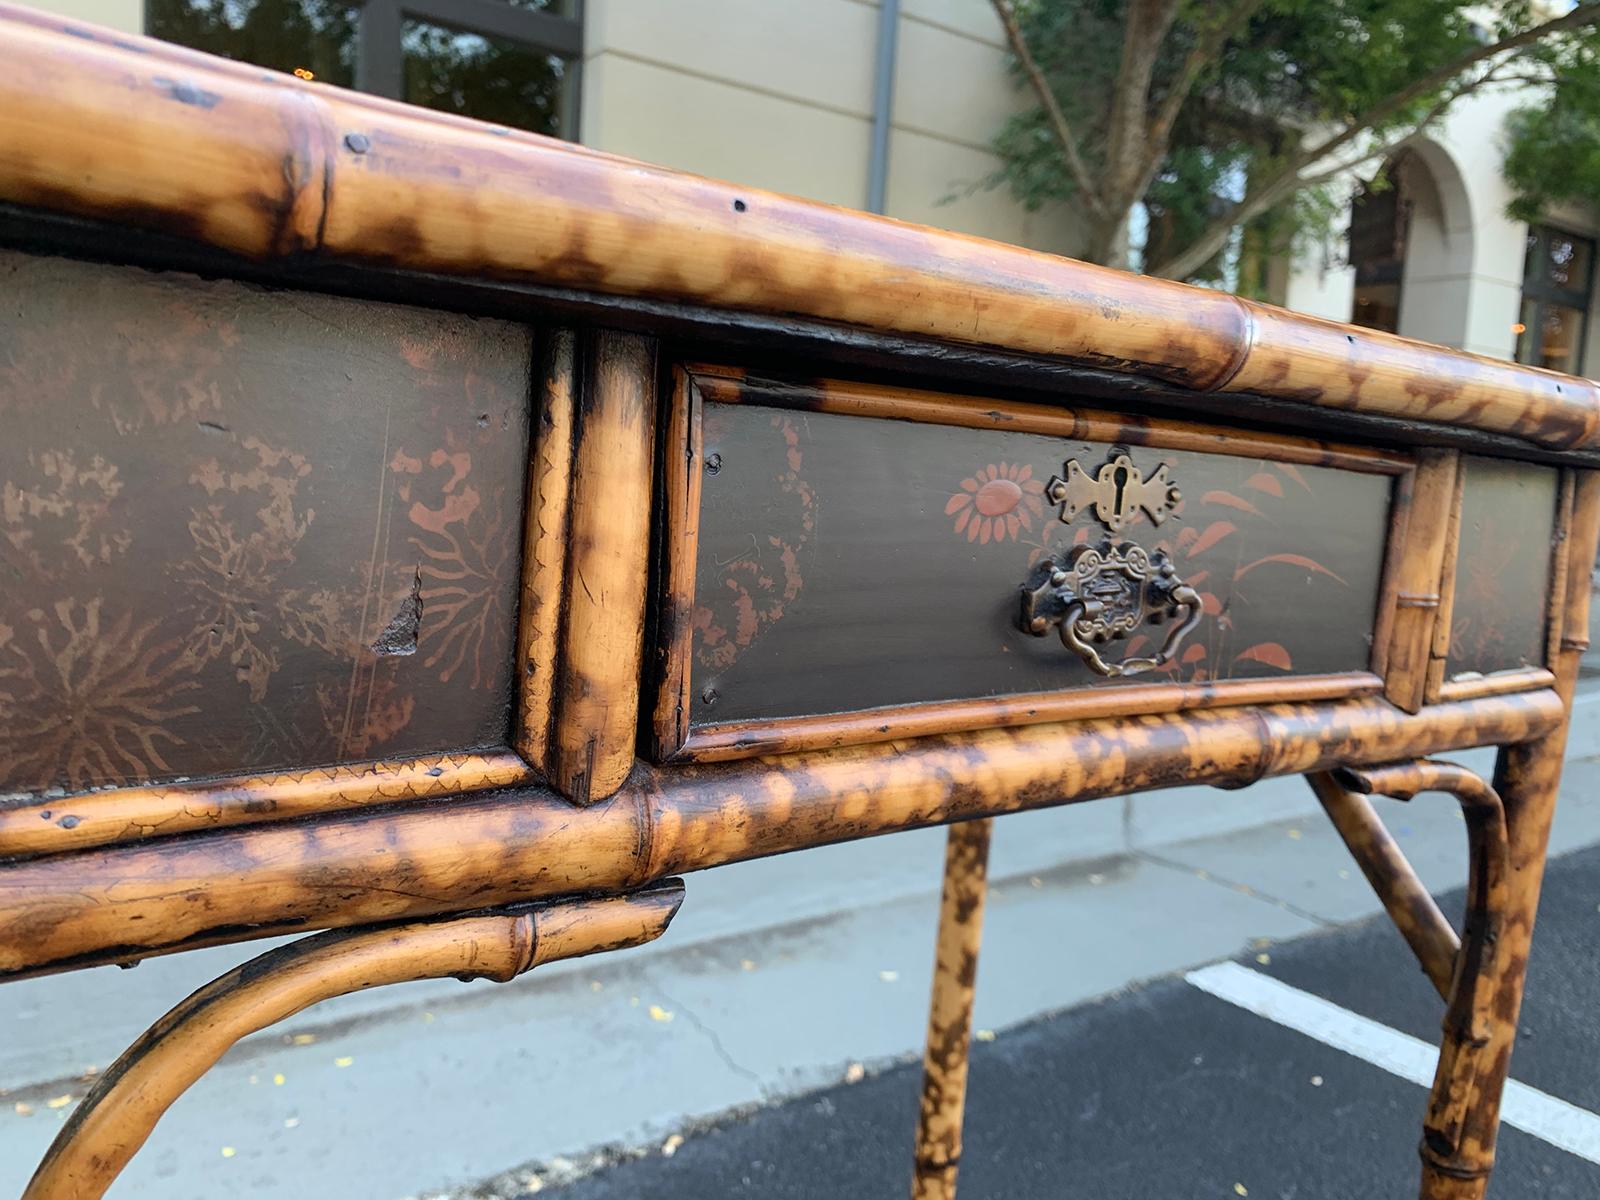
(1117, 492)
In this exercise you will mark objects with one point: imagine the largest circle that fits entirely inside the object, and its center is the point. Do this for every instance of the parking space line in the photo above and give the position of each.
(1573, 1129)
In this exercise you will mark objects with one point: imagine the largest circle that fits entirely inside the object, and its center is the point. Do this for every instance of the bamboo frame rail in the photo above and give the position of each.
(544, 544)
(46, 825)
(1417, 592)
(937, 1159)
(127, 902)
(122, 1109)
(265, 166)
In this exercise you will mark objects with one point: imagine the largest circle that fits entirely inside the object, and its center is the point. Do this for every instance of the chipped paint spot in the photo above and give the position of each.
(399, 637)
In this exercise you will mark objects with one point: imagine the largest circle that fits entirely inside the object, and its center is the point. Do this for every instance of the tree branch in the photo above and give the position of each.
(1147, 24)
(1580, 16)
(1271, 191)
(1203, 52)
(1052, 107)
(1384, 150)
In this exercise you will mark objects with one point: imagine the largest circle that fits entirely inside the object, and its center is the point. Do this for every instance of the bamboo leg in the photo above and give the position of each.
(1458, 1144)
(122, 1108)
(1480, 966)
(1458, 1168)
(955, 972)
(1527, 777)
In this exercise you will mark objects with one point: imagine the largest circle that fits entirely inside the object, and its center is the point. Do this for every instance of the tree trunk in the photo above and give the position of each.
(1108, 240)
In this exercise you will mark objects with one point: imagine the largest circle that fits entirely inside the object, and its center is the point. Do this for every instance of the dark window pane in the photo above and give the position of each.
(1380, 219)
(1567, 260)
(492, 79)
(1527, 331)
(315, 36)
(1555, 299)
(1377, 229)
(1551, 337)
(1377, 306)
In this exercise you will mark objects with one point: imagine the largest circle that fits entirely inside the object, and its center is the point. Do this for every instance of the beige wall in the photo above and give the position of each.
(778, 94)
(126, 15)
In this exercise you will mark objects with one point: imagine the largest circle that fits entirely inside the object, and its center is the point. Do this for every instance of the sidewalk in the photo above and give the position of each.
(777, 978)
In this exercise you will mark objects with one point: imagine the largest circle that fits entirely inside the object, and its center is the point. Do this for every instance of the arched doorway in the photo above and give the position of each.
(1411, 248)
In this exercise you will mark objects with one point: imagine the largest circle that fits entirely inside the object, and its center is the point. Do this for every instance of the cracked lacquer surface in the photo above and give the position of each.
(242, 530)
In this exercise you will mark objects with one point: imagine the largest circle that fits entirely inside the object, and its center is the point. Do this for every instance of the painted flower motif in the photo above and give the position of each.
(87, 699)
(997, 502)
(755, 588)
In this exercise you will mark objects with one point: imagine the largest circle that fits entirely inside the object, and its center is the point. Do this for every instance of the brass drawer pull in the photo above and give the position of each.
(1100, 594)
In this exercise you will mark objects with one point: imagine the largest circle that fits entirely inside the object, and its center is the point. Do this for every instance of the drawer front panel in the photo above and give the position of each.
(849, 562)
(243, 530)
(1503, 567)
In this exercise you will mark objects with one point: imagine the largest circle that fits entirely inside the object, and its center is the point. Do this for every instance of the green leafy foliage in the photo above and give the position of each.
(1553, 147)
(1276, 78)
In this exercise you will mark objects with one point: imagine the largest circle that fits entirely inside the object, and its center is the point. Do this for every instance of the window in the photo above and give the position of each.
(1380, 218)
(1556, 279)
(513, 62)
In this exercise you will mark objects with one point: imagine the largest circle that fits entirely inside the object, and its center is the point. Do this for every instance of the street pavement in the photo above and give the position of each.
(1166, 1091)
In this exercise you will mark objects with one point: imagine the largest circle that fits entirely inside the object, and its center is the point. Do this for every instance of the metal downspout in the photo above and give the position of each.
(882, 103)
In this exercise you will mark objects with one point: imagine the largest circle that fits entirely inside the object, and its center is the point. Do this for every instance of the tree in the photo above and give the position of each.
(1230, 120)
(1553, 147)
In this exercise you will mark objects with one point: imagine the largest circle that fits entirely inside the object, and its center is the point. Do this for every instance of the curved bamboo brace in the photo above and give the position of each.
(1469, 1013)
(1414, 912)
(122, 1109)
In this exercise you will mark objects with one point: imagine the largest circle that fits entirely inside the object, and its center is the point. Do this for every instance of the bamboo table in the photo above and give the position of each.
(434, 539)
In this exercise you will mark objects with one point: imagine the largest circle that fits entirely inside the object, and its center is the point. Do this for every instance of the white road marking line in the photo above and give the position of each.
(1573, 1129)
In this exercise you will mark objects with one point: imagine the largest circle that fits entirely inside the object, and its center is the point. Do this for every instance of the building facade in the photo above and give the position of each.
(1434, 256)
(807, 98)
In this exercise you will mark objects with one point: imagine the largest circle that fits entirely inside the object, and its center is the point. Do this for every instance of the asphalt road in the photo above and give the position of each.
(1166, 1092)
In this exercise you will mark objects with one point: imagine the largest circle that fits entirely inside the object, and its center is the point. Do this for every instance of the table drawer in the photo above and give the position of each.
(847, 563)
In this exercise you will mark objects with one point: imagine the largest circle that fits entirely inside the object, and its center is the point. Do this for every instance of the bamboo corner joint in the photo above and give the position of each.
(568, 623)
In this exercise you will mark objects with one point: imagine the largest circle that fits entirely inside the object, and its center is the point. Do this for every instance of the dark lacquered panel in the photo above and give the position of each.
(850, 562)
(243, 529)
(1508, 515)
